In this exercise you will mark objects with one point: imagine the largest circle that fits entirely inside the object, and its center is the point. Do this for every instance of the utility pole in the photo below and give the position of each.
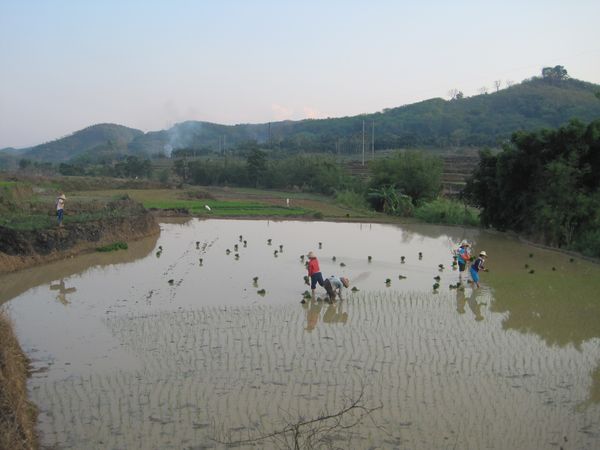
(363, 158)
(373, 141)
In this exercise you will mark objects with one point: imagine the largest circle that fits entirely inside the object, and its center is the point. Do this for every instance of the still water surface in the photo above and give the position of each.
(155, 349)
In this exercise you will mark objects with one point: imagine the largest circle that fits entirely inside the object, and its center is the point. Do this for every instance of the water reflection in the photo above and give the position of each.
(14, 284)
(62, 291)
(313, 312)
(475, 305)
(335, 313)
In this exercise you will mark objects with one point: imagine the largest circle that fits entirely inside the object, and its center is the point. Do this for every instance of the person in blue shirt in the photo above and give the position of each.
(463, 256)
(477, 266)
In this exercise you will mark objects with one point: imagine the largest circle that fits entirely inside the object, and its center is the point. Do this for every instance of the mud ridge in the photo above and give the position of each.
(22, 249)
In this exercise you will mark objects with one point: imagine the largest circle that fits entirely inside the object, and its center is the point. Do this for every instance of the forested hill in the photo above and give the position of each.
(96, 139)
(481, 120)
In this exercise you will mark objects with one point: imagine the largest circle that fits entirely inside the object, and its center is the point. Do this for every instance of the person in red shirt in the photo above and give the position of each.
(314, 272)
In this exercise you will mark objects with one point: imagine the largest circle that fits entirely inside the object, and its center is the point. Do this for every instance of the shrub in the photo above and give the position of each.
(449, 212)
(351, 199)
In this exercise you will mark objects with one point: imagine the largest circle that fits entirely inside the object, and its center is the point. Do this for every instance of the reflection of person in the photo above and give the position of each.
(461, 301)
(333, 285)
(62, 292)
(463, 255)
(334, 314)
(60, 208)
(314, 272)
(312, 315)
(474, 305)
(477, 266)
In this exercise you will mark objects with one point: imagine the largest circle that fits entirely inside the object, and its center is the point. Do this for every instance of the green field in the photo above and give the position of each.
(223, 208)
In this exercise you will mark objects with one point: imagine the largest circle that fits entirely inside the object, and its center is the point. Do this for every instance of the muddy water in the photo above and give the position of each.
(156, 349)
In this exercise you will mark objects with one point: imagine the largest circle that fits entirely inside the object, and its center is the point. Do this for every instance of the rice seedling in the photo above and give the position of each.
(532, 271)
(171, 281)
(436, 286)
(354, 289)
(388, 282)
(235, 247)
(420, 255)
(241, 237)
(227, 251)
(369, 258)
(261, 292)
(201, 261)
(333, 258)
(237, 256)
(320, 245)
(281, 248)
(342, 264)
(401, 277)
(306, 280)
(402, 259)
(269, 241)
(437, 278)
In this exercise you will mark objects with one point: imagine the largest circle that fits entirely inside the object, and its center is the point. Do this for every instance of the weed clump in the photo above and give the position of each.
(113, 247)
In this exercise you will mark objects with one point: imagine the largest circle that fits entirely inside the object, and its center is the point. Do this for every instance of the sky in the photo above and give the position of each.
(66, 65)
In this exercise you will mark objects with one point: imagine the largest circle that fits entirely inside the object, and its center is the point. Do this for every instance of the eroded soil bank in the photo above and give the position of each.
(17, 415)
(20, 249)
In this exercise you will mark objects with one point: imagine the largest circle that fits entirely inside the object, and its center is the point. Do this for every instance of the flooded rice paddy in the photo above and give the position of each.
(170, 344)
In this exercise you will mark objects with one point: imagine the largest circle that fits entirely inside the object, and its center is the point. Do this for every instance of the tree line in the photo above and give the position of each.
(544, 184)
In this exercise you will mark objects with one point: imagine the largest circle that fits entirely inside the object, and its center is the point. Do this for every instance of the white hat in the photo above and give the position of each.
(482, 253)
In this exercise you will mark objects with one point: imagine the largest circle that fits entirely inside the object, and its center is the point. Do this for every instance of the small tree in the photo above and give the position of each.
(256, 162)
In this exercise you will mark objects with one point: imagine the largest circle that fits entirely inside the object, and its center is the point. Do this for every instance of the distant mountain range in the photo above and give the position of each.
(477, 121)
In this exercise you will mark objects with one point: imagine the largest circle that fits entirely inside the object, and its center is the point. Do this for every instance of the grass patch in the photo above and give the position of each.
(113, 247)
(448, 212)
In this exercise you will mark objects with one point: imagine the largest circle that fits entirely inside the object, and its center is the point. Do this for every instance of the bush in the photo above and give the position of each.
(351, 199)
(450, 212)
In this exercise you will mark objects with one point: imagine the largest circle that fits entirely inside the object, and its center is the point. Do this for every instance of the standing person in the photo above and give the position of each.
(463, 255)
(477, 266)
(60, 208)
(314, 272)
(333, 285)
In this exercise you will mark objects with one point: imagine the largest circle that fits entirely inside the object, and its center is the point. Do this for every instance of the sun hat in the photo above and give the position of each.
(482, 253)
(62, 196)
(465, 244)
(311, 254)
(345, 281)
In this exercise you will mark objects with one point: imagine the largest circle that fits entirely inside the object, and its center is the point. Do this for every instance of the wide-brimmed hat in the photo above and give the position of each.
(311, 254)
(465, 244)
(345, 281)
(482, 253)
(62, 196)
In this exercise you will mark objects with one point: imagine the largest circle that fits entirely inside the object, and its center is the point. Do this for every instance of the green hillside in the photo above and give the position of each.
(481, 120)
(96, 138)
(478, 121)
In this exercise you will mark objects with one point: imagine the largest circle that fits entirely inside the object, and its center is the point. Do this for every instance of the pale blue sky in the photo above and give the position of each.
(149, 64)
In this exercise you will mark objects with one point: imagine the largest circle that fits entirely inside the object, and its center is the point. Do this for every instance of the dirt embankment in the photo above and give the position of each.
(17, 414)
(22, 249)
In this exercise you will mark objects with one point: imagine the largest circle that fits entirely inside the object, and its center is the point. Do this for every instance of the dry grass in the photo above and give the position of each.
(17, 414)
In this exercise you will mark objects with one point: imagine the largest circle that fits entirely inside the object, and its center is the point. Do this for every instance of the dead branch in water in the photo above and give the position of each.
(313, 433)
